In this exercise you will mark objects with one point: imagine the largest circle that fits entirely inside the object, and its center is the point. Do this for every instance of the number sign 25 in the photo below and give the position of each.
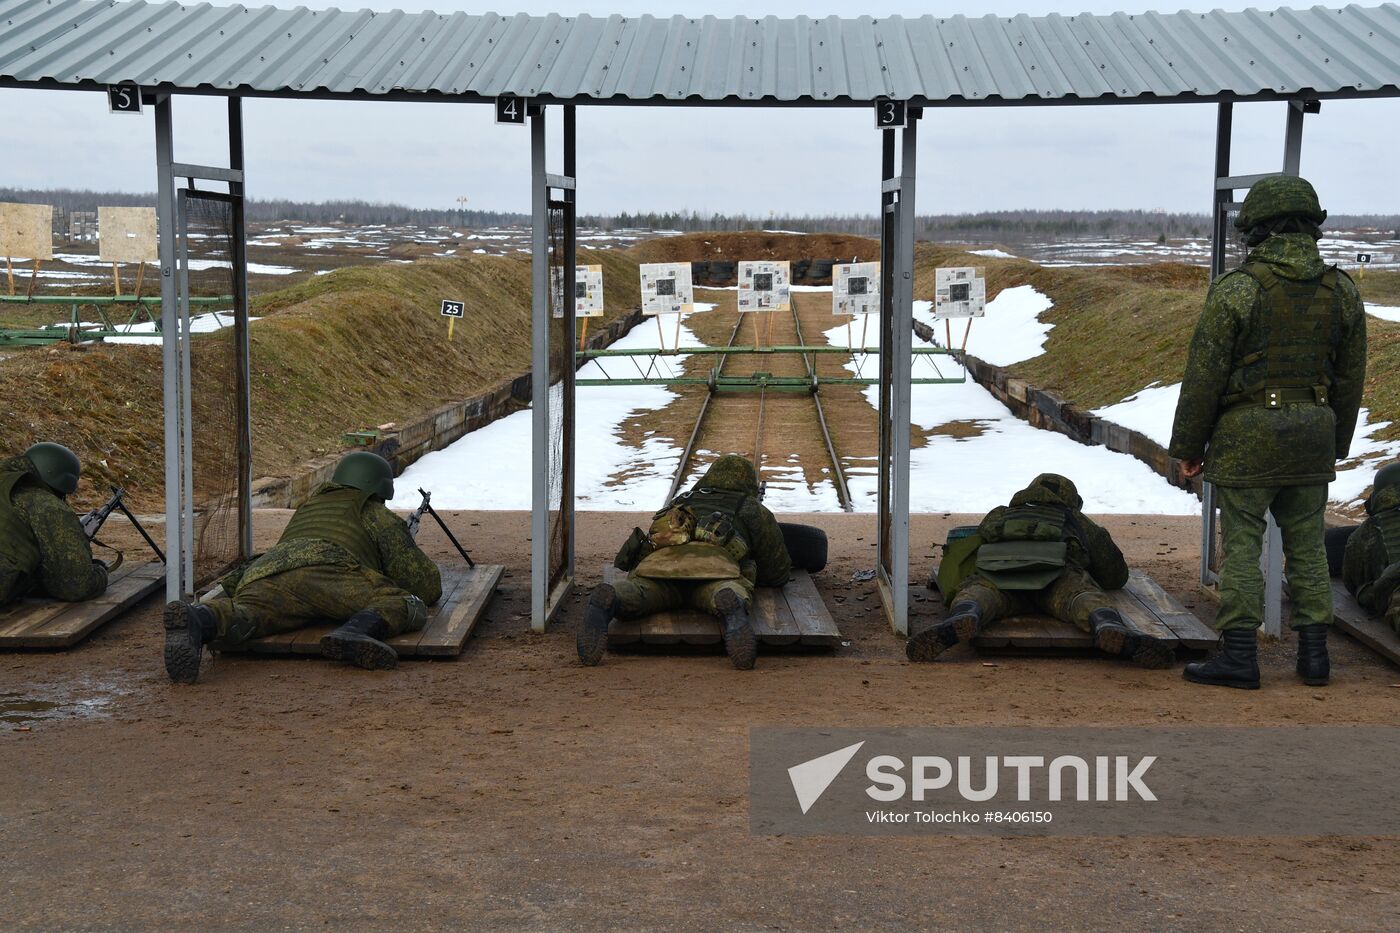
(891, 114)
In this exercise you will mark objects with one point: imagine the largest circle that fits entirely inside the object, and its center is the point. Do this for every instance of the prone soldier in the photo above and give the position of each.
(44, 550)
(1268, 405)
(1041, 553)
(1371, 565)
(707, 550)
(344, 558)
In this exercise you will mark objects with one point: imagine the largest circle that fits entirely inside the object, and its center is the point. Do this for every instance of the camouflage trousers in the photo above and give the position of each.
(638, 597)
(1298, 510)
(1071, 597)
(306, 596)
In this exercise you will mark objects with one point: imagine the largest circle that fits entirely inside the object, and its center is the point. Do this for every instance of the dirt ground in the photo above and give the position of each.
(514, 788)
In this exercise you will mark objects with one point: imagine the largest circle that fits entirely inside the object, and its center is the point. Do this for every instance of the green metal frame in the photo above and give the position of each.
(759, 381)
(73, 333)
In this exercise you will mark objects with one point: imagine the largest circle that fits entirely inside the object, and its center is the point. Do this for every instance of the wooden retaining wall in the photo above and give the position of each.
(442, 426)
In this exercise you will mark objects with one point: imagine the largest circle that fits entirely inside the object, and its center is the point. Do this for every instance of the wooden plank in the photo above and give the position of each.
(72, 622)
(466, 593)
(1189, 630)
(1140, 616)
(1032, 631)
(34, 612)
(813, 618)
(773, 622)
(1375, 633)
(445, 635)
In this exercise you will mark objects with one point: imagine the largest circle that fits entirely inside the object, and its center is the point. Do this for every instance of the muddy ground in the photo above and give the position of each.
(513, 788)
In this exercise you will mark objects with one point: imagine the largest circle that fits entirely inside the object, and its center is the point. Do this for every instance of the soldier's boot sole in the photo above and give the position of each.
(184, 647)
(1143, 650)
(365, 652)
(591, 639)
(936, 639)
(740, 643)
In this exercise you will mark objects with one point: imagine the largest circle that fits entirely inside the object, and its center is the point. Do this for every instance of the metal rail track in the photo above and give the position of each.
(843, 494)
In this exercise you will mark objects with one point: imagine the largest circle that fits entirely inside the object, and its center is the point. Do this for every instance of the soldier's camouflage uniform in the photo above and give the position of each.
(342, 552)
(1092, 561)
(43, 550)
(1270, 399)
(1371, 567)
(694, 573)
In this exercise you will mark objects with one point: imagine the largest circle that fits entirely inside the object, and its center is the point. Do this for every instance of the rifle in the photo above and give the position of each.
(416, 518)
(93, 521)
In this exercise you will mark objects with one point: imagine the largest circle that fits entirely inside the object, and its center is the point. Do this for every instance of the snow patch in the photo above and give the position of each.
(1150, 412)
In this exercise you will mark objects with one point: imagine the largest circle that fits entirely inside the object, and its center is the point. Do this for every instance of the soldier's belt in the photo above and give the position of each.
(1277, 397)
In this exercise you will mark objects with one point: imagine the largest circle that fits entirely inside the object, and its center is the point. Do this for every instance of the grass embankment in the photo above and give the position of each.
(1119, 329)
(357, 348)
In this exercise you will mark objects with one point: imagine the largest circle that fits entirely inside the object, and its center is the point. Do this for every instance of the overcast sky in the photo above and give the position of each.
(791, 161)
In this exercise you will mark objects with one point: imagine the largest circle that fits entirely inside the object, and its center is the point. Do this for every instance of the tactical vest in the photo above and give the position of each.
(1027, 547)
(17, 542)
(1298, 320)
(695, 538)
(1376, 594)
(335, 516)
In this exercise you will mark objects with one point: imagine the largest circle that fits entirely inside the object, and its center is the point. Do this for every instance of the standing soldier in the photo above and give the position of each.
(1041, 553)
(344, 557)
(43, 549)
(1268, 405)
(707, 550)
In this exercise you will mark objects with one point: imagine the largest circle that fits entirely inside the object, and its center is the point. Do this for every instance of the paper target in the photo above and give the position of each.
(855, 288)
(26, 231)
(666, 288)
(127, 234)
(588, 291)
(960, 291)
(765, 286)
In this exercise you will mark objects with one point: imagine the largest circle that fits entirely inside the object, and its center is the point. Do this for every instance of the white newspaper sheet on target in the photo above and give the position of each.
(855, 288)
(588, 291)
(765, 286)
(959, 291)
(666, 288)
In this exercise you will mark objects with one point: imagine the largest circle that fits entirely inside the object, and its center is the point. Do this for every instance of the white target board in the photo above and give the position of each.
(26, 231)
(666, 288)
(855, 288)
(959, 291)
(127, 234)
(765, 286)
(588, 291)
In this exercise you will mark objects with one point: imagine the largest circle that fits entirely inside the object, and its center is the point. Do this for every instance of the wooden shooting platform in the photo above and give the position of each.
(1144, 605)
(1373, 632)
(786, 616)
(465, 593)
(47, 623)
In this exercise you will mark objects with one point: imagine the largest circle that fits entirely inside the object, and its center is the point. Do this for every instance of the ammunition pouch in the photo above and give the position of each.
(718, 529)
(633, 550)
(1022, 565)
(672, 527)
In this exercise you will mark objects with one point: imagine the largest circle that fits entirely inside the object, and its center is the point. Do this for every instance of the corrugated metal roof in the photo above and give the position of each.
(1352, 51)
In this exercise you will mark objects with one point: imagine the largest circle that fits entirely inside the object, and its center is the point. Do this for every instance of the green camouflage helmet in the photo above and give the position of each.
(1061, 488)
(1386, 477)
(367, 472)
(731, 472)
(56, 465)
(1275, 196)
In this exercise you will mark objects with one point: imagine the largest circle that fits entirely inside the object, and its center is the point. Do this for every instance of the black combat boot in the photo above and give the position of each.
(1313, 664)
(1236, 665)
(1113, 636)
(739, 641)
(187, 627)
(963, 623)
(360, 641)
(591, 639)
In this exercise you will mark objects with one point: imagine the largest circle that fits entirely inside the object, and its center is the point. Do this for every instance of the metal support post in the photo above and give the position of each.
(170, 331)
(1293, 138)
(570, 374)
(1219, 237)
(240, 332)
(539, 383)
